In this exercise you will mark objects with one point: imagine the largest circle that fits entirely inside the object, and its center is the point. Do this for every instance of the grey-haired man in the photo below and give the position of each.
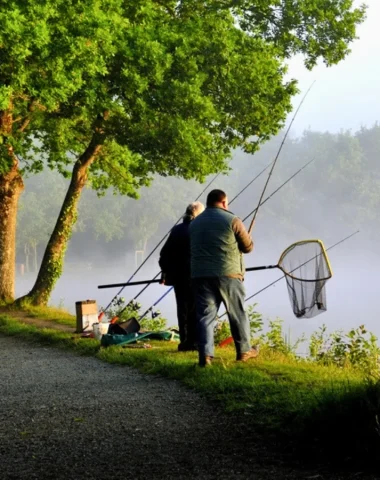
(175, 265)
(218, 239)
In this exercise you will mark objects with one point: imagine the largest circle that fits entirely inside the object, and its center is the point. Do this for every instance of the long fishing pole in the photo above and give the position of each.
(155, 248)
(255, 211)
(259, 203)
(154, 280)
(250, 183)
(280, 278)
(155, 277)
(276, 158)
(278, 188)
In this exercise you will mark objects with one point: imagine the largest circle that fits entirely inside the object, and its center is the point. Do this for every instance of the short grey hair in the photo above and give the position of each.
(193, 210)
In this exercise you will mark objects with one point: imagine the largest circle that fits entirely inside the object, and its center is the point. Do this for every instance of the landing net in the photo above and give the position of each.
(307, 269)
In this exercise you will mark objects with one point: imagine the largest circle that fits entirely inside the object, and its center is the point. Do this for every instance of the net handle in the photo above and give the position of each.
(252, 269)
(267, 267)
(129, 284)
(287, 274)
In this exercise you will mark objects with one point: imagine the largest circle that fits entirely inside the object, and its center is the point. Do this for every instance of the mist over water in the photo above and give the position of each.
(330, 199)
(352, 292)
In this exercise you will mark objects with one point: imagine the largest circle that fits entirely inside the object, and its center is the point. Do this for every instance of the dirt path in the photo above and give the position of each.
(68, 417)
(38, 322)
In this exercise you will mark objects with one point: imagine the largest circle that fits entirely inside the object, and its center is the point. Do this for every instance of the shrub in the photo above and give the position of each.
(357, 348)
(133, 310)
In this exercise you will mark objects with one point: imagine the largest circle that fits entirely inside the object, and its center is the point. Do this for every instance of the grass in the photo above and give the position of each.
(324, 411)
(57, 315)
(48, 336)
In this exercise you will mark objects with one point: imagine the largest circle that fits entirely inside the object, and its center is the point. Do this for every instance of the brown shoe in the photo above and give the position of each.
(244, 357)
(205, 361)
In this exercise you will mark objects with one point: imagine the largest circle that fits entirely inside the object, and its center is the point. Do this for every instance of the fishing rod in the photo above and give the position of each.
(276, 158)
(137, 270)
(255, 211)
(278, 188)
(250, 183)
(151, 253)
(154, 280)
(123, 285)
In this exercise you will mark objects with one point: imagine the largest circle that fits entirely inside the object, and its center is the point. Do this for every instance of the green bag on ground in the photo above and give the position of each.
(116, 339)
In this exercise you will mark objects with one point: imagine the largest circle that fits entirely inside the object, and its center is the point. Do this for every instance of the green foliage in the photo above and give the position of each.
(222, 327)
(357, 348)
(38, 209)
(133, 310)
(314, 29)
(221, 331)
(121, 311)
(275, 339)
(256, 321)
(48, 52)
(49, 336)
(154, 324)
(55, 315)
(129, 91)
(344, 179)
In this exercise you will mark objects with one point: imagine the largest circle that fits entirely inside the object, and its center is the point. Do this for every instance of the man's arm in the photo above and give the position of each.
(243, 238)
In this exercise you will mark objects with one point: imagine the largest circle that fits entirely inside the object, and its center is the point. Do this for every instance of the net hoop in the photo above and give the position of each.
(302, 242)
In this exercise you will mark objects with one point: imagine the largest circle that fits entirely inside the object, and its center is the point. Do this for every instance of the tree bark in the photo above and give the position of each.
(52, 263)
(11, 186)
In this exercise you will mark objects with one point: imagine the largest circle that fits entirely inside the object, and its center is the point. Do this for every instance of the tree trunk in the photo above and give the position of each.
(11, 186)
(52, 263)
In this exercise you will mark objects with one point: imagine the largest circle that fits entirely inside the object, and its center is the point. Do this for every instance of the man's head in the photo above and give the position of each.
(193, 210)
(217, 198)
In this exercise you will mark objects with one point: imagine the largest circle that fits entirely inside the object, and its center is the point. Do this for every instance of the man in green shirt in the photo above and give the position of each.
(218, 240)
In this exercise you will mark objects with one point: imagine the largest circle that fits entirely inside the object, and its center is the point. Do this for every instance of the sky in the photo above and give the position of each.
(345, 96)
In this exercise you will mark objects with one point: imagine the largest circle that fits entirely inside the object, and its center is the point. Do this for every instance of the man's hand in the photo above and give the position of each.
(243, 238)
(162, 279)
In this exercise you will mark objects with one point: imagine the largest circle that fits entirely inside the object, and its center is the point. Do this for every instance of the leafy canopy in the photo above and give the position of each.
(165, 87)
(45, 57)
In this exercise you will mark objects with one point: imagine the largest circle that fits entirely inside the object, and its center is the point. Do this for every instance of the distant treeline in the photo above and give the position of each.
(337, 193)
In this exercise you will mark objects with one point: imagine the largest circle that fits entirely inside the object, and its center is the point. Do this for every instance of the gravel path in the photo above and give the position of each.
(68, 417)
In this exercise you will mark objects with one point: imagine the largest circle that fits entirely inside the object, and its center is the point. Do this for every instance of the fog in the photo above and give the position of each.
(318, 203)
(351, 293)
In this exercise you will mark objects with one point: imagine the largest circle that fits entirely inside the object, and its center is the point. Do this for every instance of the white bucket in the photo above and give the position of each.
(100, 329)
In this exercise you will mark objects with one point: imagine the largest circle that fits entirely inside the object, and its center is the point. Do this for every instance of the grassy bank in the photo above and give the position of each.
(319, 410)
(55, 315)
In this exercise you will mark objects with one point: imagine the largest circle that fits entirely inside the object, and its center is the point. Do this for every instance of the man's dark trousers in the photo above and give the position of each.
(186, 314)
(210, 293)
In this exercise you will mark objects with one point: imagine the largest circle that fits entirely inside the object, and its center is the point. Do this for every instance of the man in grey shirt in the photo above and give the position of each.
(218, 239)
